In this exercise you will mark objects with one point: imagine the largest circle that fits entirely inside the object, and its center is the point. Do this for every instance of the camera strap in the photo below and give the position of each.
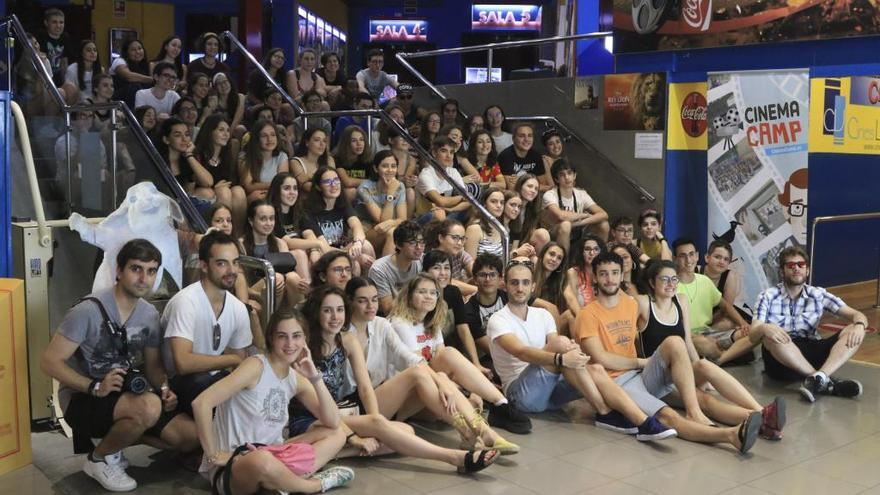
(115, 331)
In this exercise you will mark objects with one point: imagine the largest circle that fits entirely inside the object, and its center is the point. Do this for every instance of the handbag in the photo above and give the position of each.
(282, 262)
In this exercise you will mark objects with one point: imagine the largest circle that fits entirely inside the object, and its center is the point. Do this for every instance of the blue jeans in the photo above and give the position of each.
(537, 390)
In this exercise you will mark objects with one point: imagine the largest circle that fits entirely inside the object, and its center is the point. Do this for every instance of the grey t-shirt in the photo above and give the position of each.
(375, 85)
(97, 354)
(388, 278)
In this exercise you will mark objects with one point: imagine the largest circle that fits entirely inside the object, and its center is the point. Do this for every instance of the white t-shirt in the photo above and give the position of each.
(584, 201)
(189, 315)
(117, 63)
(146, 97)
(386, 354)
(414, 338)
(504, 141)
(532, 333)
(429, 180)
(72, 77)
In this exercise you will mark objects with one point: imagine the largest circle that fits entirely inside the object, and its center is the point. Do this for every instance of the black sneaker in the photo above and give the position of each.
(813, 386)
(653, 429)
(845, 388)
(614, 421)
(509, 417)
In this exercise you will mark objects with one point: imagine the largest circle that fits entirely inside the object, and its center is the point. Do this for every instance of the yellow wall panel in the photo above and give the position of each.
(153, 21)
(15, 421)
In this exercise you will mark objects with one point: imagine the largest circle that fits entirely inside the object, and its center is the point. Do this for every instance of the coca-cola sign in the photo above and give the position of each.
(697, 13)
(693, 114)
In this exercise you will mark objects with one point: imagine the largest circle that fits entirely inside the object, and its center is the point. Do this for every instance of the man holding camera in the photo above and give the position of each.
(105, 354)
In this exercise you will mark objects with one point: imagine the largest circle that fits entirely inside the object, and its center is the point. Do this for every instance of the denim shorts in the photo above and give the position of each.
(536, 390)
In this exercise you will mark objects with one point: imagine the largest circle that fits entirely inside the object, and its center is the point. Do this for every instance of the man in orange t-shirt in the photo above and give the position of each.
(606, 330)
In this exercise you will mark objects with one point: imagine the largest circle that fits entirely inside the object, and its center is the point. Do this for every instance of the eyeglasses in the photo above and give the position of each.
(667, 280)
(456, 238)
(330, 182)
(170, 77)
(339, 270)
(487, 275)
(415, 242)
(216, 343)
(588, 249)
(624, 230)
(526, 263)
(797, 209)
(426, 292)
(792, 264)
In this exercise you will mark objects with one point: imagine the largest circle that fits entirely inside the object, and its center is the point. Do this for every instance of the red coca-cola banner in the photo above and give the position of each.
(646, 25)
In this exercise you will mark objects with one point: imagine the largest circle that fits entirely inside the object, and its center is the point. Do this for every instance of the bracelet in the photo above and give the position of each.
(188, 156)
(91, 390)
(863, 324)
(316, 379)
(348, 437)
(557, 359)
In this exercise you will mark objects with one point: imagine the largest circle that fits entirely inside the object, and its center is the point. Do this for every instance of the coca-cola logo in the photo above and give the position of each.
(697, 13)
(694, 112)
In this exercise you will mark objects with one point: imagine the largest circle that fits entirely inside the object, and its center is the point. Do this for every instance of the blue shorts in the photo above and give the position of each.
(537, 390)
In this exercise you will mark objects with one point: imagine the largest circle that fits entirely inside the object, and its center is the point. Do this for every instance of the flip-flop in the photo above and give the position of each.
(748, 432)
(471, 466)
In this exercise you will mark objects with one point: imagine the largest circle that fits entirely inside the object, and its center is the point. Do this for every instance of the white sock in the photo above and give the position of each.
(501, 402)
(822, 376)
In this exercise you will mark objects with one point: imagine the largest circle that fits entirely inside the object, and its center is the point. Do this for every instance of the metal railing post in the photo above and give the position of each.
(489, 66)
(67, 154)
(113, 144)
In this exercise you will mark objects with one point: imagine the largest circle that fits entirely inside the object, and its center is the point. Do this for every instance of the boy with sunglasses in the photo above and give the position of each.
(786, 322)
(207, 329)
(103, 339)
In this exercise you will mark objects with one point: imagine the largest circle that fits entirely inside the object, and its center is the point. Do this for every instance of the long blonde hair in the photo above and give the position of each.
(435, 320)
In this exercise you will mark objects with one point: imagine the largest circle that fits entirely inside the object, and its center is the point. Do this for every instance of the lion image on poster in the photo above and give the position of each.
(647, 99)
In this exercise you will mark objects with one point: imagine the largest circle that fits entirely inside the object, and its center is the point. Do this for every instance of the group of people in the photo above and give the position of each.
(393, 298)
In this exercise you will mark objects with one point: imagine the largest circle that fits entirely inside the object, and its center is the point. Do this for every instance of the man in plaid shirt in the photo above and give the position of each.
(786, 322)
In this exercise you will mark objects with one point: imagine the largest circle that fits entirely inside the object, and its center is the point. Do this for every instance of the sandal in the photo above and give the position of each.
(748, 432)
(469, 439)
(483, 461)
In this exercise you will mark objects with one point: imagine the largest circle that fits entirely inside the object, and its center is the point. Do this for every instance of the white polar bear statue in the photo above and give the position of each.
(145, 214)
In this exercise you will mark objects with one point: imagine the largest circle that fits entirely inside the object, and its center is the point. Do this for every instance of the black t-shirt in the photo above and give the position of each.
(57, 49)
(478, 315)
(332, 224)
(356, 170)
(286, 225)
(338, 81)
(457, 316)
(511, 164)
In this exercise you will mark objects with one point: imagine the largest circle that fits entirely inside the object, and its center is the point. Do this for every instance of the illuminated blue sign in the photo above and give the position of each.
(400, 30)
(502, 17)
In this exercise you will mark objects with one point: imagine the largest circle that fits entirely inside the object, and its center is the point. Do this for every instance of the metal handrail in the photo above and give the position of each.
(196, 221)
(840, 218)
(384, 117)
(269, 276)
(490, 47)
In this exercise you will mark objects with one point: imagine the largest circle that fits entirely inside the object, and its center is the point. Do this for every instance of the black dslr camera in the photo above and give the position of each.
(135, 381)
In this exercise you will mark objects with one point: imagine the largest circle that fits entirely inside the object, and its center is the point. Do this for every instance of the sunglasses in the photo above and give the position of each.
(217, 334)
(792, 264)
(526, 263)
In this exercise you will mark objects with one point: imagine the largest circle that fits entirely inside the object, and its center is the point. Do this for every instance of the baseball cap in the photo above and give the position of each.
(405, 89)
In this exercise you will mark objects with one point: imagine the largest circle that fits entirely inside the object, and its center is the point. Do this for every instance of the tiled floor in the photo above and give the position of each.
(830, 447)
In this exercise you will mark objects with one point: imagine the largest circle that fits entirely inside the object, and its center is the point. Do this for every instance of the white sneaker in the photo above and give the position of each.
(109, 473)
(334, 477)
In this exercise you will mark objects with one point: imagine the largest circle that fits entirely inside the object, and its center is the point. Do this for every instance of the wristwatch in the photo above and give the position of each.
(95, 388)
(389, 198)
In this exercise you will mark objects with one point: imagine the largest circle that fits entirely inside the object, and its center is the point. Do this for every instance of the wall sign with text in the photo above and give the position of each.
(500, 17)
(399, 30)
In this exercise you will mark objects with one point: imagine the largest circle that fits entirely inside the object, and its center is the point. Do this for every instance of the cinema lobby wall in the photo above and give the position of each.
(838, 183)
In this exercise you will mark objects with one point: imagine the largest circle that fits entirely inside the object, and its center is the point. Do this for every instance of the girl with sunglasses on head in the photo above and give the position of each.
(419, 316)
(662, 314)
(409, 385)
(250, 406)
(339, 357)
(262, 160)
(580, 275)
(333, 220)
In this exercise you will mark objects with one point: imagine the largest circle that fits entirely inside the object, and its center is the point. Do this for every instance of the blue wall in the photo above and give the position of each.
(839, 183)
